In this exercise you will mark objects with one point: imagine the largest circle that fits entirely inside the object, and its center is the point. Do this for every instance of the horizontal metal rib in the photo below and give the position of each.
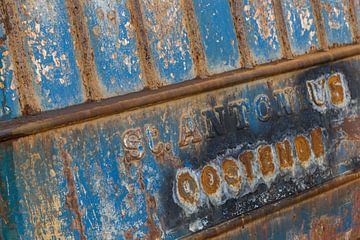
(54, 119)
(240, 222)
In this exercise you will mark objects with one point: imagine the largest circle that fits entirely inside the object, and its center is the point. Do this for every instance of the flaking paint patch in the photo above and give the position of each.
(168, 38)
(112, 35)
(51, 53)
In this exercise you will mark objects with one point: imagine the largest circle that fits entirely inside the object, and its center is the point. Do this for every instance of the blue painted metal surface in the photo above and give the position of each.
(337, 24)
(262, 35)
(119, 176)
(300, 24)
(113, 39)
(168, 40)
(50, 49)
(174, 168)
(218, 35)
(9, 100)
(54, 65)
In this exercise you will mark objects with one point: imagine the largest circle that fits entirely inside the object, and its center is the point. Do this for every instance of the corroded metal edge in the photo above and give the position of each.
(44, 121)
(278, 207)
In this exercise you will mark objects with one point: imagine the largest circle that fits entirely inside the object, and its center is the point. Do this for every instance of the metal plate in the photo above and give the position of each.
(176, 168)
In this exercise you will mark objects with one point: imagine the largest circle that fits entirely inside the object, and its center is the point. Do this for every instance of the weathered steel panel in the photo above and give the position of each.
(334, 214)
(168, 39)
(50, 52)
(261, 32)
(300, 24)
(113, 38)
(337, 22)
(217, 34)
(9, 100)
(176, 168)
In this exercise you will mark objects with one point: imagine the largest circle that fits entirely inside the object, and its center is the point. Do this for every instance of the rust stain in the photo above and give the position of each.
(16, 39)
(71, 197)
(83, 49)
(4, 210)
(231, 173)
(352, 19)
(246, 158)
(210, 180)
(284, 153)
(266, 160)
(336, 89)
(317, 142)
(128, 235)
(282, 31)
(355, 215)
(187, 187)
(166, 156)
(196, 47)
(351, 126)
(239, 22)
(151, 77)
(324, 228)
(154, 231)
(302, 149)
(319, 24)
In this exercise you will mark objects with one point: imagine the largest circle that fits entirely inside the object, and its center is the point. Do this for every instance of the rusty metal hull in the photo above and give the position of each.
(179, 119)
(176, 168)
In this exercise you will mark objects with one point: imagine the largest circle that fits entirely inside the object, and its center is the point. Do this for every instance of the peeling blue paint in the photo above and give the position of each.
(113, 38)
(50, 50)
(300, 24)
(261, 33)
(9, 99)
(336, 20)
(168, 39)
(218, 35)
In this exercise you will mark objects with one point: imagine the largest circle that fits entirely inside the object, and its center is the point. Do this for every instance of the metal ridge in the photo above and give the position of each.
(276, 207)
(44, 121)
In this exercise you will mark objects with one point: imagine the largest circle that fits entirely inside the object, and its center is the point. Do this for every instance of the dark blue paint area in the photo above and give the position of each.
(9, 99)
(168, 38)
(108, 193)
(260, 27)
(337, 25)
(300, 26)
(218, 35)
(51, 53)
(113, 39)
(8, 195)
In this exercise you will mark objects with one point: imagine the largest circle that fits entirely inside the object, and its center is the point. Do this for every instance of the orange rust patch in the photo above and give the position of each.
(266, 160)
(231, 173)
(324, 228)
(210, 180)
(336, 89)
(302, 148)
(187, 188)
(283, 150)
(317, 142)
(246, 158)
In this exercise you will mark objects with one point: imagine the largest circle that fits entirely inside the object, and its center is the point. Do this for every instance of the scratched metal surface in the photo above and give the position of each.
(9, 100)
(218, 35)
(168, 39)
(50, 53)
(113, 39)
(337, 22)
(300, 24)
(175, 168)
